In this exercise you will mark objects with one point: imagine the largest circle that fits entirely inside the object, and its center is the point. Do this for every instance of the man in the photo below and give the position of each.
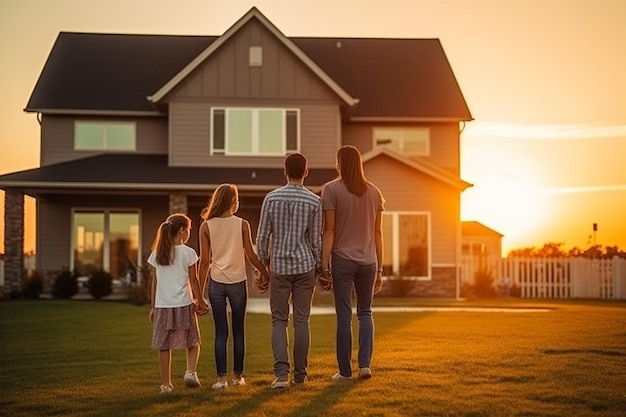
(289, 243)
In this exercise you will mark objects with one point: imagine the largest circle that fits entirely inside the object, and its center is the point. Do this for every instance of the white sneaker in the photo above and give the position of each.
(239, 381)
(365, 373)
(166, 389)
(191, 379)
(279, 384)
(339, 377)
(220, 385)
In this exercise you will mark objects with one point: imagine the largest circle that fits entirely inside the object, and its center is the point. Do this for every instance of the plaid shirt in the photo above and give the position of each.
(289, 238)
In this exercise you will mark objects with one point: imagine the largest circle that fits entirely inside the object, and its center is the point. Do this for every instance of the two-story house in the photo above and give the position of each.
(134, 127)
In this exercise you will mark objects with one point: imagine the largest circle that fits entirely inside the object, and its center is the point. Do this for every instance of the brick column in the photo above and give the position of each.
(178, 203)
(13, 240)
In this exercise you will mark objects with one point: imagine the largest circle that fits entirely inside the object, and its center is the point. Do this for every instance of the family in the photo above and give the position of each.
(301, 239)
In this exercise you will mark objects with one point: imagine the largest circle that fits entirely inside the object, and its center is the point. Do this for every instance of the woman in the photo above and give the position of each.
(352, 246)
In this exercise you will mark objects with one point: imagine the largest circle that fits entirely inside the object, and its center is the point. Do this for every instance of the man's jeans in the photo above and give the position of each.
(299, 289)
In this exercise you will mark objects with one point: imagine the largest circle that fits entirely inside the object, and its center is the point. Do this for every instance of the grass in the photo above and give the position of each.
(89, 358)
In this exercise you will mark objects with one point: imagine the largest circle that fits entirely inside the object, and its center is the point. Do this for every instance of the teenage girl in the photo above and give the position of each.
(176, 297)
(225, 244)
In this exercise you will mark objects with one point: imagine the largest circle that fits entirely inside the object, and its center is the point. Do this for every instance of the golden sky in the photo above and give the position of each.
(544, 79)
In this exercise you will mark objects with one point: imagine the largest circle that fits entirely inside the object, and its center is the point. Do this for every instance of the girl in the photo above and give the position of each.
(225, 244)
(353, 238)
(175, 299)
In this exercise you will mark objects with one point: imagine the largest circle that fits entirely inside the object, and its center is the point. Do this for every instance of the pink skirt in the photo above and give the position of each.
(175, 328)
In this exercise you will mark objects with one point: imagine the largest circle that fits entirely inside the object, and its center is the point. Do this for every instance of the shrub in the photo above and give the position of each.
(32, 284)
(65, 284)
(100, 284)
(138, 293)
(483, 284)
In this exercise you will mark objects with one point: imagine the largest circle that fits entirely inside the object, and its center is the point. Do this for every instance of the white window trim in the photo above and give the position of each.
(104, 125)
(106, 254)
(255, 131)
(395, 244)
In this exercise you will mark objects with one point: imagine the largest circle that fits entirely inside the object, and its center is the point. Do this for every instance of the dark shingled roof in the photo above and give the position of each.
(114, 72)
(146, 171)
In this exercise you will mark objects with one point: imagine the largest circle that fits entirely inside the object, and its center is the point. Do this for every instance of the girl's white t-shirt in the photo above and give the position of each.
(173, 288)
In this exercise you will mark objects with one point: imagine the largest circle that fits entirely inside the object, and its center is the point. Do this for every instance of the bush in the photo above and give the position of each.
(100, 284)
(483, 284)
(65, 284)
(138, 293)
(32, 284)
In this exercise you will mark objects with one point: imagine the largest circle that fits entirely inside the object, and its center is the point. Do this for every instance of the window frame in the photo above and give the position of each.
(255, 133)
(395, 244)
(105, 130)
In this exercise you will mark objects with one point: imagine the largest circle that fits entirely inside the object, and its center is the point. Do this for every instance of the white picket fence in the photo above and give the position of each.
(553, 277)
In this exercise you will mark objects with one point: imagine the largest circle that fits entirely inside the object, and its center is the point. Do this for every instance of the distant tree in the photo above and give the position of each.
(557, 250)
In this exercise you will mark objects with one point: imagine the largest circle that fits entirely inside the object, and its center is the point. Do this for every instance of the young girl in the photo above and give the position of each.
(175, 298)
(225, 243)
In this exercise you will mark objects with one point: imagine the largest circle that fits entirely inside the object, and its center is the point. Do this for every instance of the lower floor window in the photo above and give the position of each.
(106, 240)
(407, 247)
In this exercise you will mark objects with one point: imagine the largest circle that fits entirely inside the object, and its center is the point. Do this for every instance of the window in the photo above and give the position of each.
(410, 141)
(268, 132)
(406, 244)
(110, 136)
(106, 240)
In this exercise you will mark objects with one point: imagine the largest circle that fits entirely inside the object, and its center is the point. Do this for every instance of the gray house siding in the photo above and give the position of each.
(57, 137)
(405, 189)
(444, 140)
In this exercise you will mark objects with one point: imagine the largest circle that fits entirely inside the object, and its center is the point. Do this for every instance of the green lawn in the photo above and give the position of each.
(89, 358)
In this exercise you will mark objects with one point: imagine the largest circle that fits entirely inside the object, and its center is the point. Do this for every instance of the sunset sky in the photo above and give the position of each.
(544, 79)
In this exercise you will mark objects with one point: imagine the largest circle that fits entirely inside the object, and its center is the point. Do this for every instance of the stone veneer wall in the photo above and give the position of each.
(178, 203)
(442, 285)
(13, 241)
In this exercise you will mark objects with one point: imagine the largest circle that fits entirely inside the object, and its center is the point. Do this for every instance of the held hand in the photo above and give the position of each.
(262, 282)
(325, 279)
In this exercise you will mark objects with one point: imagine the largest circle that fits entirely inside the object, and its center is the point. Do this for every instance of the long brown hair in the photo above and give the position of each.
(221, 201)
(350, 167)
(164, 241)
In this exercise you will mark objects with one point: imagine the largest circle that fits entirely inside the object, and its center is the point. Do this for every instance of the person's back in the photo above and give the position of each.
(289, 242)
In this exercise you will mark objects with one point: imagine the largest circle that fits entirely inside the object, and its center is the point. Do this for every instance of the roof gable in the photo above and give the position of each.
(474, 228)
(418, 164)
(254, 13)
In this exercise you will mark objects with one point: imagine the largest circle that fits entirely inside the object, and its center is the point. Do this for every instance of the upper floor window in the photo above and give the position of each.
(242, 131)
(108, 136)
(414, 141)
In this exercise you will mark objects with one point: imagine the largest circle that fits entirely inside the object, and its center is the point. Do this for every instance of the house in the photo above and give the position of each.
(134, 127)
(480, 240)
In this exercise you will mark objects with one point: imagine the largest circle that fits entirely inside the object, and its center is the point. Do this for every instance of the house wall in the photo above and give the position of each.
(226, 79)
(57, 140)
(444, 141)
(406, 189)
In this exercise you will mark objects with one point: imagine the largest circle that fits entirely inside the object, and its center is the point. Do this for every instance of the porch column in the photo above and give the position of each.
(13, 240)
(178, 203)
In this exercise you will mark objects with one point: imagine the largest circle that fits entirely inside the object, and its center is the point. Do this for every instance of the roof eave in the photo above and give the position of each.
(99, 112)
(379, 119)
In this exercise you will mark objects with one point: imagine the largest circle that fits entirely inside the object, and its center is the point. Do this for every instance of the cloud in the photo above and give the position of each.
(527, 131)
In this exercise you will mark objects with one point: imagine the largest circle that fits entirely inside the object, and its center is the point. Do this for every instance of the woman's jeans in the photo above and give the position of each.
(349, 275)
(237, 296)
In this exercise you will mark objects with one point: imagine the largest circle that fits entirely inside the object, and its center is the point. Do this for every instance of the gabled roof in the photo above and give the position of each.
(150, 172)
(393, 79)
(474, 228)
(418, 164)
(253, 14)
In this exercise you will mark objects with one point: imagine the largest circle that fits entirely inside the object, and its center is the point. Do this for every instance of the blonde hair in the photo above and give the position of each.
(164, 241)
(221, 201)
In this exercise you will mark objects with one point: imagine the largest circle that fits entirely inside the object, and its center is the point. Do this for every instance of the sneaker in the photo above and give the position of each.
(339, 377)
(220, 385)
(191, 379)
(279, 384)
(165, 389)
(365, 373)
(239, 381)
